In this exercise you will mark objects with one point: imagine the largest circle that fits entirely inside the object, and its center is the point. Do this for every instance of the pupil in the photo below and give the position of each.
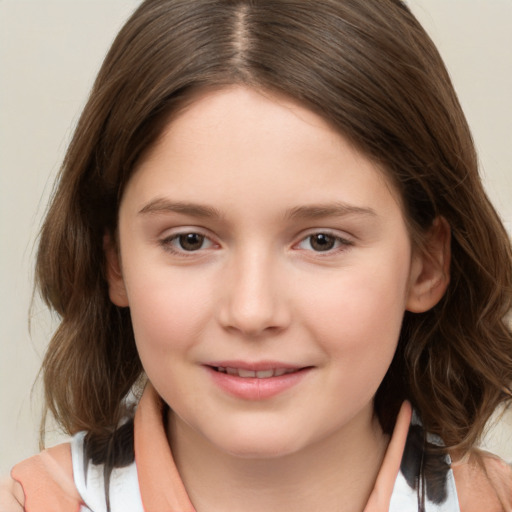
(322, 242)
(191, 241)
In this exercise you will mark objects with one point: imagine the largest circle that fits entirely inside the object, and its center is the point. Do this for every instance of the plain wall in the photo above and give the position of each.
(50, 52)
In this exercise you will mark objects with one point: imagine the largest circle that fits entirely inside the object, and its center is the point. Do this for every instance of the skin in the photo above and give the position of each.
(11, 496)
(264, 181)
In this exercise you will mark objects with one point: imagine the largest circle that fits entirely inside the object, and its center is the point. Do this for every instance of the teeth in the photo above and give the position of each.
(246, 373)
(265, 374)
(261, 374)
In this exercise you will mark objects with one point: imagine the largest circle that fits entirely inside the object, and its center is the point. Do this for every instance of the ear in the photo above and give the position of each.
(116, 287)
(430, 269)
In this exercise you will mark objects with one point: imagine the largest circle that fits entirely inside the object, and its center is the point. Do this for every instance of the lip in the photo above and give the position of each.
(254, 388)
(254, 366)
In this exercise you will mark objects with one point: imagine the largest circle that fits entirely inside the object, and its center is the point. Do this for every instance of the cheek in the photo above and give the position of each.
(169, 310)
(359, 338)
(357, 316)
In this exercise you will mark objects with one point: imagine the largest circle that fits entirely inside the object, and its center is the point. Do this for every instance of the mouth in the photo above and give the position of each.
(256, 381)
(258, 374)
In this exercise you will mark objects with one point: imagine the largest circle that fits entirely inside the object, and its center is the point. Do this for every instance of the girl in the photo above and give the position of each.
(270, 230)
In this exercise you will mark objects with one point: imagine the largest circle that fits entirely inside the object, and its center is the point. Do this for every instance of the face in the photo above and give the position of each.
(267, 267)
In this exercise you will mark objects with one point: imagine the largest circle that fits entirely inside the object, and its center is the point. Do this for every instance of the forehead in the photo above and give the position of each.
(237, 140)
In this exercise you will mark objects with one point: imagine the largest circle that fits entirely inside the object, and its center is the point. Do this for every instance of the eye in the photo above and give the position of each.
(323, 242)
(190, 241)
(187, 242)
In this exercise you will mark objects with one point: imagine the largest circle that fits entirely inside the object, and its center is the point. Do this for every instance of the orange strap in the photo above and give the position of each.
(47, 481)
(484, 482)
(380, 497)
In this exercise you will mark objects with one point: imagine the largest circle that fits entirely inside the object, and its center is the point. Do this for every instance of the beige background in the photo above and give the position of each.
(49, 54)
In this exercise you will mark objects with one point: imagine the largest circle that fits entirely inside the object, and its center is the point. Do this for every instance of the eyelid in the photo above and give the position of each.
(345, 241)
(171, 235)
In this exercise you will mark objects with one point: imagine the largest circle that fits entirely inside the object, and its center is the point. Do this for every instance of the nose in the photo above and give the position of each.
(254, 302)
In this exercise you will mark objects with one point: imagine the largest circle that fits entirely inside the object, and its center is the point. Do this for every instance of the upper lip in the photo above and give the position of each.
(255, 366)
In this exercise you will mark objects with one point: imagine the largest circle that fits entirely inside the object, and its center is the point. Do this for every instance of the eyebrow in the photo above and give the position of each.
(161, 205)
(338, 209)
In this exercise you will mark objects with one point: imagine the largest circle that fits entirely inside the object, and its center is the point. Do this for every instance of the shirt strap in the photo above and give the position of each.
(47, 481)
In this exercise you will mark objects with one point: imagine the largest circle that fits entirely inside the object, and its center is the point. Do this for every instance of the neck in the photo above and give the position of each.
(336, 474)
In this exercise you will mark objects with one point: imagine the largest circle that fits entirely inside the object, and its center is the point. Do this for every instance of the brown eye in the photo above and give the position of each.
(322, 242)
(191, 241)
(187, 243)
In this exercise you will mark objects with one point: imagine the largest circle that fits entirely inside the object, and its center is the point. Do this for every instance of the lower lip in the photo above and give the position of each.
(252, 388)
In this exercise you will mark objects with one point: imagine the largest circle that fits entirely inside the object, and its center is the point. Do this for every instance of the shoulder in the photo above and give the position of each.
(484, 482)
(45, 482)
(11, 496)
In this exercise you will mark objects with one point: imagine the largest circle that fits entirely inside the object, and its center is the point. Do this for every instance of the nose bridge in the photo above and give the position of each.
(254, 301)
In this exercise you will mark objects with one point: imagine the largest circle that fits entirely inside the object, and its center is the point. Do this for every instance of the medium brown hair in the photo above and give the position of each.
(369, 69)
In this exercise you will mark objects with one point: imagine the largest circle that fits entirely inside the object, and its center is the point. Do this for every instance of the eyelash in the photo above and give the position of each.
(168, 243)
(340, 243)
